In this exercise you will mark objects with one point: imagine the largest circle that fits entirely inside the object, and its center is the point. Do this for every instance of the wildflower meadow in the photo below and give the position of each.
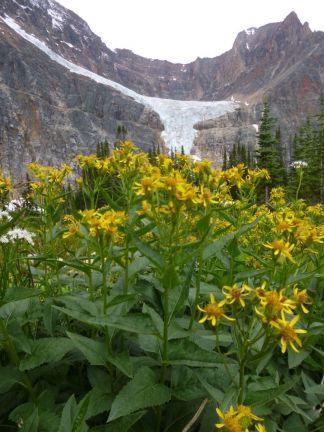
(159, 294)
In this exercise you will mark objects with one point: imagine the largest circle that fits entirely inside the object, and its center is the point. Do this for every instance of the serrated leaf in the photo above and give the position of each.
(31, 423)
(96, 353)
(213, 392)
(9, 376)
(217, 245)
(295, 359)
(68, 414)
(139, 323)
(286, 400)
(141, 392)
(79, 424)
(187, 353)
(122, 424)
(46, 350)
(150, 253)
(258, 398)
(317, 389)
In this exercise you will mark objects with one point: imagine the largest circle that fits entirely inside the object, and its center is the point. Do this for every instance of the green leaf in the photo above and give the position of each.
(295, 359)
(217, 245)
(46, 350)
(139, 323)
(122, 424)
(79, 419)
(68, 414)
(9, 376)
(286, 400)
(259, 398)
(150, 253)
(317, 389)
(189, 354)
(141, 392)
(14, 294)
(31, 423)
(212, 391)
(96, 353)
(182, 294)
(135, 323)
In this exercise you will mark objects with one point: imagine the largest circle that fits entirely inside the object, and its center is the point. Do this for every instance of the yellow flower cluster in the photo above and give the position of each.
(239, 419)
(5, 183)
(272, 307)
(48, 174)
(98, 223)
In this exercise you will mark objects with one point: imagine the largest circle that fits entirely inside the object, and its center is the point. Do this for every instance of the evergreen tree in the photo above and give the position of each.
(308, 146)
(269, 153)
(238, 154)
(320, 151)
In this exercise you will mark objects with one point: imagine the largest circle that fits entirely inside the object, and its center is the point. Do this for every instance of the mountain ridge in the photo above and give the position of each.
(281, 62)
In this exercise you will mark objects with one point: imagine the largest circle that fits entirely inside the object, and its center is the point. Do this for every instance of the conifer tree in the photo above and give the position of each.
(269, 153)
(308, 147)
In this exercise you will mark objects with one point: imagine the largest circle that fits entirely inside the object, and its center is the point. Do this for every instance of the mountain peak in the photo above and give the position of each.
(292, 25)
(292, 19)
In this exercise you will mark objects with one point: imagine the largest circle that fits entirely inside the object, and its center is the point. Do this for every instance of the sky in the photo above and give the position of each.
(182, 30)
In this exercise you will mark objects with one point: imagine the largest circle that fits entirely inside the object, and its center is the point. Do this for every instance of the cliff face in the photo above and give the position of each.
(48, 113)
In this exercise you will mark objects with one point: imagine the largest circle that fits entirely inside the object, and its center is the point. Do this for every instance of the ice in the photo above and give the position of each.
(177, 116)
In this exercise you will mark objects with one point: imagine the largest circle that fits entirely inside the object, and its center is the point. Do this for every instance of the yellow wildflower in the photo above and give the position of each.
(147, 185)
(246, 416)
(213, 311)
(288, 332)
(235, 293)
(301, 297)
(205, 197)
(230, 421)
(281, 248)
(72, 225)
(260, 428)
(273, 304)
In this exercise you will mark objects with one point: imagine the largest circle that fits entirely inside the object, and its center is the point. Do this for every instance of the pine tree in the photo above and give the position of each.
(320, 151)
(307, 147)
(269, 152)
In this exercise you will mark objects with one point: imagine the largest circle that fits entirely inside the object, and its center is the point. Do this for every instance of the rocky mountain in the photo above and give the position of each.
(62, 90)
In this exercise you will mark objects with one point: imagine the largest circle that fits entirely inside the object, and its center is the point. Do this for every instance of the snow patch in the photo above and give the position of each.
(68, 44)
(57, 19)
(178, 117)
(250, 31)
(256, 127)
(247, 46)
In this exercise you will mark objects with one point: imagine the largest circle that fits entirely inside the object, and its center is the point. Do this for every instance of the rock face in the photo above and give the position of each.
(218, 135)
(49, 114)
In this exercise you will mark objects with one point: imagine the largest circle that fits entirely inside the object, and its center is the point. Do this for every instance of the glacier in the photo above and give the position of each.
(177, 116)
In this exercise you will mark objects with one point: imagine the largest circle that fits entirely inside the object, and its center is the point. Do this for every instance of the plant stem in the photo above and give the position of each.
(126, 274)
(299, 185)
(198, 279)
(104, 275)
